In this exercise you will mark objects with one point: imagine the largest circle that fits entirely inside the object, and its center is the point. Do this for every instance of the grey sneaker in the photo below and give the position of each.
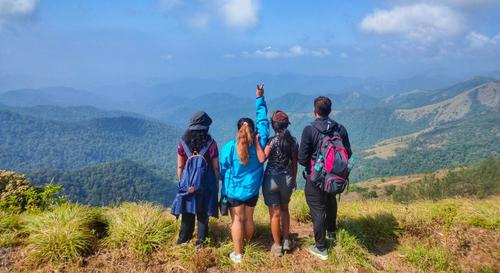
(322, 255)
(277, 250)
(287, 245)
(331, 235)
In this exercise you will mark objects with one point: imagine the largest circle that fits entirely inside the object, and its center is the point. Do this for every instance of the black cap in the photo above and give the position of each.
(199, 121)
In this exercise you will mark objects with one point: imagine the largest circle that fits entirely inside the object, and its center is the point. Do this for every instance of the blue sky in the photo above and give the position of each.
(97, 42)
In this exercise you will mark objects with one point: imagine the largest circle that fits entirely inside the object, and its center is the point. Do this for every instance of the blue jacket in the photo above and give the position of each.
(242, 182)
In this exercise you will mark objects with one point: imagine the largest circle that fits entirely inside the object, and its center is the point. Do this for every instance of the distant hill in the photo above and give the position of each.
(30, 143)
(420, 97)
(70, 113)
(416, 131)
(450, 144)
(485, 97)
(58, 96)
(112, 183)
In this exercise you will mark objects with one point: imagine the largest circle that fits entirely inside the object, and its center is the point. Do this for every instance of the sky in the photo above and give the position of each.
(83, 43)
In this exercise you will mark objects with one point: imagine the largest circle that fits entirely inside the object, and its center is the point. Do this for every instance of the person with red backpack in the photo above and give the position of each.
(198, 174)
(324, 152)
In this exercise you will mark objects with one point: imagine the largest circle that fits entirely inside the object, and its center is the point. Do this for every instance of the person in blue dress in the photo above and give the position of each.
(202, 203)
(242, 172)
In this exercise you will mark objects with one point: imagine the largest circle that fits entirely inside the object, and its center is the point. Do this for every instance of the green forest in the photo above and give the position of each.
(103, 156)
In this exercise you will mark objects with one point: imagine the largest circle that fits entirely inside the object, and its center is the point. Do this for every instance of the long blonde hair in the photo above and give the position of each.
(244, 140)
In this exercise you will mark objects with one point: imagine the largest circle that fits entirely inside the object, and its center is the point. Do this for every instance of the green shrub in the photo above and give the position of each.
(358, 189)
(139, 228)
(299, 210)
(389, 190)
(64, 234)
(479, 181)
(369, 195)
(17, 194)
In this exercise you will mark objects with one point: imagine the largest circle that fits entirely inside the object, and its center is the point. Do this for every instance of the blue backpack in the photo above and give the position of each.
(195, 171)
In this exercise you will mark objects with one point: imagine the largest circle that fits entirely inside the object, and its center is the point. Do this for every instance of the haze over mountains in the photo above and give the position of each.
(80, 138)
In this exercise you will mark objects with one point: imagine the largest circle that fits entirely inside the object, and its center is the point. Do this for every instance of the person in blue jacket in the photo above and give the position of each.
(189, 202)
(242, 172)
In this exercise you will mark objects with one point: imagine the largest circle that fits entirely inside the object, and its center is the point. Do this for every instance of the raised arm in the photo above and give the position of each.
(261, 155)
(262, 124)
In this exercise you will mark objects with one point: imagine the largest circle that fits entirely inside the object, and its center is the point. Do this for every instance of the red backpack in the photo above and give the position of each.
(329, 171)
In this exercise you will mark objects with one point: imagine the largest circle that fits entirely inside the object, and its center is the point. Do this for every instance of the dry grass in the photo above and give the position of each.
(373, 236)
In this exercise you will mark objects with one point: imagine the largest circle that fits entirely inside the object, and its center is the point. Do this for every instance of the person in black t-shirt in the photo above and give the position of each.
(323, 206)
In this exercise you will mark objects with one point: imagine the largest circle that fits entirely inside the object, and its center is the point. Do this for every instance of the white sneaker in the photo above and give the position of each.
(235, 258)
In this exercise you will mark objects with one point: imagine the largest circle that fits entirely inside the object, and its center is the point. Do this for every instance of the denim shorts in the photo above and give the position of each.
(277, 189)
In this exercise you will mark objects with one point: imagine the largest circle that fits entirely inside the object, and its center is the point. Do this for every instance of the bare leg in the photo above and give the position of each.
(274, 215)
(285, 221)
(249, 225)
(237, 227)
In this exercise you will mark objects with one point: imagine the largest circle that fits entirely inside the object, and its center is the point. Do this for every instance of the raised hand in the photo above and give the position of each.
(260, 91)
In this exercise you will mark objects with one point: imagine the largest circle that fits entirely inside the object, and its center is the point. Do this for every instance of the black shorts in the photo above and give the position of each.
(252, 202)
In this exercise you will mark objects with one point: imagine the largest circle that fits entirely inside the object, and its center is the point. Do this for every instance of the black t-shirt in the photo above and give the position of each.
(276, 160)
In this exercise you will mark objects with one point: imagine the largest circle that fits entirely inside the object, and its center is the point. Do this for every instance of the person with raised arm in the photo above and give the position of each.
(242, 168)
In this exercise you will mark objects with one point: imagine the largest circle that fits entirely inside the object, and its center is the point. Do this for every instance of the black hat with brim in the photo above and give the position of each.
(199, 121)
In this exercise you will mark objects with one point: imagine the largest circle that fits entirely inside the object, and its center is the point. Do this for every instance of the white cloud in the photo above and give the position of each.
(12, 9)
(343, 55)
(240, 13)
(478, 40)
(292, 52)
(424, 23)
(462, 4)
(236, 14)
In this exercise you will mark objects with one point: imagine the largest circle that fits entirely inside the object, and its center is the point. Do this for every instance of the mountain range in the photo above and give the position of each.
(83, 140)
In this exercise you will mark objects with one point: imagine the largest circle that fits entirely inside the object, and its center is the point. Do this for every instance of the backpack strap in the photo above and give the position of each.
(187, 151)
(205, 149)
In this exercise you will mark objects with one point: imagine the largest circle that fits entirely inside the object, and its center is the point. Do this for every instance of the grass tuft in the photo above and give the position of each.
(299, 211)
(373, 231)
(349, 251)
(428, 258)
(9, 229)
(141, 228)
(64, 234)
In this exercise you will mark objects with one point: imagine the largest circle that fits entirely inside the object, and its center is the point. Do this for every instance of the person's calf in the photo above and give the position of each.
(248, 229)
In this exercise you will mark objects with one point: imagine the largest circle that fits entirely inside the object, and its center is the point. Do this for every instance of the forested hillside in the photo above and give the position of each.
(450, 145)
(99, 157)
(113, 183)
(82, 147)
(30, 144)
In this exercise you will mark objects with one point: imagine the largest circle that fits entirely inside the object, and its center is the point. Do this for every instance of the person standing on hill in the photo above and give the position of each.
(242, 171)
(322, 205)
(280, 180)
(198, 173)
